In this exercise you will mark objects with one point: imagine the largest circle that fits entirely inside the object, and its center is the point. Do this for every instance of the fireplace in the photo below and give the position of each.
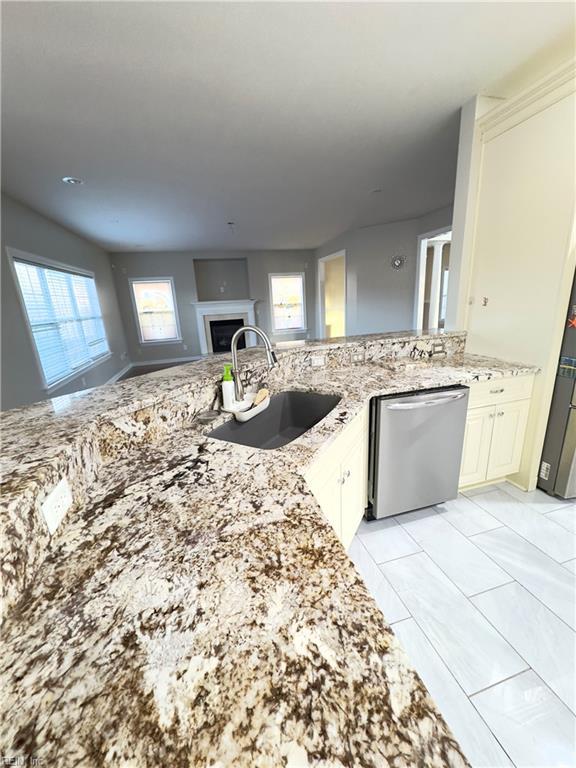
(233, 313)
(221, 332)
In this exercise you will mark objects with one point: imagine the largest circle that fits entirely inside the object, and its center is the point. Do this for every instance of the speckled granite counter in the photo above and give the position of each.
(194, 608)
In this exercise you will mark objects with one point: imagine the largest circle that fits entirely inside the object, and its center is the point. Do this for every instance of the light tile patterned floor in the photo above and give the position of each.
(481, 592)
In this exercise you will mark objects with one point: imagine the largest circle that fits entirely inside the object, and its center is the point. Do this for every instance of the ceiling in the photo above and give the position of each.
(283, 118)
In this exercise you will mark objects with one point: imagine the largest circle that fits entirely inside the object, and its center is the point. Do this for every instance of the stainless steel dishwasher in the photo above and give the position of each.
(416, 444)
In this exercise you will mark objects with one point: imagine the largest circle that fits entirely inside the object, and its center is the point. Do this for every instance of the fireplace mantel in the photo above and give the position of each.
(221, 310)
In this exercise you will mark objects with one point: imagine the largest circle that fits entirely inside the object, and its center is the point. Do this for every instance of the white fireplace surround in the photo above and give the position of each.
(240, 309)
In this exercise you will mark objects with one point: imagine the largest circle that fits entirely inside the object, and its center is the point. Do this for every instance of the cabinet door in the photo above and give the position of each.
(477, 437)
(326, 485)
(508, 438)
(354, 489)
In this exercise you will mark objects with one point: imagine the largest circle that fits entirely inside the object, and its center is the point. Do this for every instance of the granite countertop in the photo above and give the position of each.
(194, 607)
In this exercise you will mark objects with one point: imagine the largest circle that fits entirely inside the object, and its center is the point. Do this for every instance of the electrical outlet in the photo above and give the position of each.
(545, 470)
(358, 357)
(185, 347)
(56, 504)
(318, 361)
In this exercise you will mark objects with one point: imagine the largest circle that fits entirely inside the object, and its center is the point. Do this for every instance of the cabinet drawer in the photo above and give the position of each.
(500, 391)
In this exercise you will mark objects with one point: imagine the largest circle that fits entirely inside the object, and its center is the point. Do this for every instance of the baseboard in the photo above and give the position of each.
(142, 364)
(119, 374)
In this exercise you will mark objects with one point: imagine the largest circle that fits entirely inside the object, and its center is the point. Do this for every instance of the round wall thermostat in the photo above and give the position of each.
(398, 262)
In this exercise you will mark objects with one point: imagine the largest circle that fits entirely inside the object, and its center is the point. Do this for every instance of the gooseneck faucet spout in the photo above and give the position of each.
(270, 356)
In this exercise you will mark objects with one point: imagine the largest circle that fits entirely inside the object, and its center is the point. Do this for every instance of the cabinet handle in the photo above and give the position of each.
(500, 413)
(491, 415)
(497, 391)
(344, 477)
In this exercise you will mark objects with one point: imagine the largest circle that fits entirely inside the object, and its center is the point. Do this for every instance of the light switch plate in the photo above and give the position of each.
(56, 504)
(317, 361)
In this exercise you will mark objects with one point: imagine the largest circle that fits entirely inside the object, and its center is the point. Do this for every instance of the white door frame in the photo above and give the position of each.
(421, 274)
(321, 276)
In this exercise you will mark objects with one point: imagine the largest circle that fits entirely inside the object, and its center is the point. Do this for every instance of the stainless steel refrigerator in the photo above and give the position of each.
(558, 465)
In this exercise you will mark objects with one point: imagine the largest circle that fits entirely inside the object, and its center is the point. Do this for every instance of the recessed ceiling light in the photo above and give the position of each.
(71, 180)
(231, 226)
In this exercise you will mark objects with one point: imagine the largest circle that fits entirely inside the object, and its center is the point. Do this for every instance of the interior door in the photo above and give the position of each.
(332, 295)
(510, 422)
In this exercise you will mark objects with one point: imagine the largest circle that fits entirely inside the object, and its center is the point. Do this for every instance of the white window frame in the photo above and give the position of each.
(281, 331)
(154, 279)
(14, 254)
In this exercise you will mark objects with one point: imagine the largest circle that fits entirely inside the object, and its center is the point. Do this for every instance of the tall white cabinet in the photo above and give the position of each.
(519, 254)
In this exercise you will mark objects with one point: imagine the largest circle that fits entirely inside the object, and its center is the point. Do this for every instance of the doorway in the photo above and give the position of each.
(332, 295)
(432, 276)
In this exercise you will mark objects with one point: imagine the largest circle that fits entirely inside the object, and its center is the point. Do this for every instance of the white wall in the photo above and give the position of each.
(26, 230)
(380, 298)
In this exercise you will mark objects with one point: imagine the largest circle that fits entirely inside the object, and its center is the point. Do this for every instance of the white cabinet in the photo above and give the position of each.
(495, 429)
(507, 438)
(354, 489)
(326, 485)
(477, 439)
(338, 478)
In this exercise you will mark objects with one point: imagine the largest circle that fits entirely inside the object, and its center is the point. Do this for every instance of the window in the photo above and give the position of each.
(156, 310)
(287, 302)
(65, 319)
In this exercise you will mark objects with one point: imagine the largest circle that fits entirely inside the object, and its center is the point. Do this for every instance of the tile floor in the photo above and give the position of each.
(481, 592)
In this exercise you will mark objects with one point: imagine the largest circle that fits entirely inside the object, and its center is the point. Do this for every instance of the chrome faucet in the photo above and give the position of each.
(270, 356)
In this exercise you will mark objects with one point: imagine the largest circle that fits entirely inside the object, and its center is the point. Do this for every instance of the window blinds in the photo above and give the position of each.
(65, 319)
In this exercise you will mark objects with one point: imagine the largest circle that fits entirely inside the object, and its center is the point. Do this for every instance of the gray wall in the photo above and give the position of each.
(379, 298)
(260, 264)
(221, 279)
(181, 266)
(28, 231)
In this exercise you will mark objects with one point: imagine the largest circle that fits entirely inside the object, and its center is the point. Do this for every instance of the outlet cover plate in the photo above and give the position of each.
(56, 504)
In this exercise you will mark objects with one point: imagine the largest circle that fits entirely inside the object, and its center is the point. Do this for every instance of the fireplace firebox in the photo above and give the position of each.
(221, 332)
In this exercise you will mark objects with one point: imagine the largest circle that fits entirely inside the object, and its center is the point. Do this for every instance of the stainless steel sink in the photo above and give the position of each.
(288, 416)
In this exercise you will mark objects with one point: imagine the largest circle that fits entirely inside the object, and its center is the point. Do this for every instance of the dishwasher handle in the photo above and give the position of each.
(424, 403)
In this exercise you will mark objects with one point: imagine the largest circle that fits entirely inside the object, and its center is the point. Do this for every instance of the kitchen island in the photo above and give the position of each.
(194, 607)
